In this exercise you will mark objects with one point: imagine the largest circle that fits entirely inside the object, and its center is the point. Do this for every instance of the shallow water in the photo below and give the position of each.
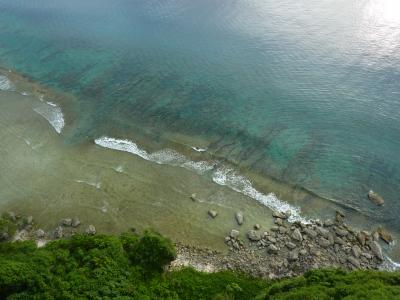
(304, 92)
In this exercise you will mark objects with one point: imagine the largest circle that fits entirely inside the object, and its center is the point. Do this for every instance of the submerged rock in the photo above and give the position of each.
(212, 213)
(239, 217)
(376, 198)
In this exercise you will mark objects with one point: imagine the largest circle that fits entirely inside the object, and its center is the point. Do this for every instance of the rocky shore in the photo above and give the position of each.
(287, 249)
(290, 249)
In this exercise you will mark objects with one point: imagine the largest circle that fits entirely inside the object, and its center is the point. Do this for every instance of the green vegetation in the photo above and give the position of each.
(131, 266)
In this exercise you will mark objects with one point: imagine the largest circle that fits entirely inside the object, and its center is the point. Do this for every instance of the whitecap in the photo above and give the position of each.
(53, 114)
(5, 84)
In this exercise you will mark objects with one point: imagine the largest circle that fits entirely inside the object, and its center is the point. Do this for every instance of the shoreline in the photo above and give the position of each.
(287, 250)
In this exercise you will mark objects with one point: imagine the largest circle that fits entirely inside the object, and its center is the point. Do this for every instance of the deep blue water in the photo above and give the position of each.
(305, 91)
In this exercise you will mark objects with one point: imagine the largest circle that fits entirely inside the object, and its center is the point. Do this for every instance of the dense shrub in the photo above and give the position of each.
(131, 267)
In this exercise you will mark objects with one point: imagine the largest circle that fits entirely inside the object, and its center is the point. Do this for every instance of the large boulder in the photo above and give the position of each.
(376, 198)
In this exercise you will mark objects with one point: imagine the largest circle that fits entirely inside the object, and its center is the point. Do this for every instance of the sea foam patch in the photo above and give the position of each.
(53, 114)
(5, 84)
(221, 175)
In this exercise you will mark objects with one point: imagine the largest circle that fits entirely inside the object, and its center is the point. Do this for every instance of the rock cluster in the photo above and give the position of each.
(294, 248)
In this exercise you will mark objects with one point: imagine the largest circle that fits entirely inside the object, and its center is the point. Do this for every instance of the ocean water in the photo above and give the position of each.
(304, 92)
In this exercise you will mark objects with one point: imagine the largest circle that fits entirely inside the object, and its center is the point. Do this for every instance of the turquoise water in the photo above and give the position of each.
(304, 91)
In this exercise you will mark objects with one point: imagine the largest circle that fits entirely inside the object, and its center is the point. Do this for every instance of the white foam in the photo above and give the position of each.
(5, 84)
(389, 265)
(162, 157)
(53, 114)
(228, 177)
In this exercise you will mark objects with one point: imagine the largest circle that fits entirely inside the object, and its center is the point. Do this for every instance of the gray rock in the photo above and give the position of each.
(341, 232)
(275, 228)
(339, 216)
(322, 231)
(376, 249)
(271, 239)
(303, 252)
(91, 230)
(361, 237)
(385, 235)
(212, 213)
(375, 236)
(280, 215)
(58, 233)
(367, 255)
(239, 217)
(279, 221)
(253, 235)
(291, 245)
(193, 197)
(339, 241)
(234, 233)
(315, 252)
(75, 222)
(282, 230)
(356, 251)
(311, 233)
(296, 235)
(354, 261)
(323, 242)
(256, 226)
(293, 256)
(376, 198)
(66, 222)
(272, 249)
(329, 223)
(40, 233)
